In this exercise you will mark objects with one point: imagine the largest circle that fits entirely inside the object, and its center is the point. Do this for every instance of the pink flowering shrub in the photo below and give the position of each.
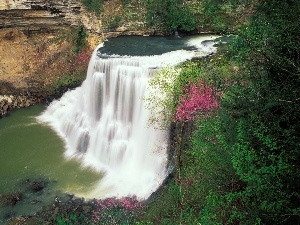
(82, 58)
(198, 98)
(116, 211)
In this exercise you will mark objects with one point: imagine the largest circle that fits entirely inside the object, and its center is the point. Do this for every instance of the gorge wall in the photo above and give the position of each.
(38, 13)
(36, 45)
(36, 33)
(45, 14)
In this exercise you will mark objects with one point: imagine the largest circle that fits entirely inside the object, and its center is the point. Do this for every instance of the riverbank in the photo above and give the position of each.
(11, 102)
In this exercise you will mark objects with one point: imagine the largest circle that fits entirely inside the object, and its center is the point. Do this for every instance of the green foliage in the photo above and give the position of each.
(116, 216)
(79, 38)
(243, 164)
(65, 82)
(160, 99)
(72, 219)
(125, 2)
(211, 152)
(262, 167)
(166, 207)
(114, 23)
(261, 113)
(169, 15)
(93, 5)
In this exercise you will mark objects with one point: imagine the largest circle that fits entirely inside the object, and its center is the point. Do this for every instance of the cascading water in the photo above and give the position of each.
(105, 123)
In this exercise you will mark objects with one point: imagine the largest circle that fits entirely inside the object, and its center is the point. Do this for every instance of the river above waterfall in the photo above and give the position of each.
(156, 45)
(65, 158)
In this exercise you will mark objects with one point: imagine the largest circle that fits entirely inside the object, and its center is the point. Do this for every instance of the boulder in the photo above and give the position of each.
(10, 199)
(36, 185)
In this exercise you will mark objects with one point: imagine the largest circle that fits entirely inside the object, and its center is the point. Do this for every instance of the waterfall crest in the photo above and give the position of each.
(104, 123)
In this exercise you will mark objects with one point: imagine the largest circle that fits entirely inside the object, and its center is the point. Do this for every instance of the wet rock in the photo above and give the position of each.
(10, 199)
(121, 29)
(27, 103)
(87, 208)
(14, 101)
(8, 215)
(18, 220)
(36, 185)
(5, 108)
(34, 201)
(71, 196)
(56, 210)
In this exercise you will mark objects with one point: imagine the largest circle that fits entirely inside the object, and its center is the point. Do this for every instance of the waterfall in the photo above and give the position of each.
(104, 123)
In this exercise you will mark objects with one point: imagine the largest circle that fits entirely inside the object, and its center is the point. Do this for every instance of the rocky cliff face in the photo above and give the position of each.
(36, 47)
(41, 13)
(33, 15)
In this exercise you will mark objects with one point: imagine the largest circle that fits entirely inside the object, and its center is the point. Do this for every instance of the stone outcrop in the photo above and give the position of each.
(34, 15)
(38, 13)
(10, 102)
(36, 47)
(10, 199)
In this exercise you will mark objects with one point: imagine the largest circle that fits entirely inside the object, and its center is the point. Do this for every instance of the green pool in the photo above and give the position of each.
(31, 152)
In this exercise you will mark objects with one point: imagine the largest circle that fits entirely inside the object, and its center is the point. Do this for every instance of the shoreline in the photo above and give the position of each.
(10, 102)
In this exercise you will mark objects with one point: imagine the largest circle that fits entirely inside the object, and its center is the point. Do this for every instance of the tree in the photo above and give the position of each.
(169, 15)
(93, 5)
(263, 111)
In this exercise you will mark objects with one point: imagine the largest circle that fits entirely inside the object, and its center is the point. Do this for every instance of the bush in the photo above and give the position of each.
(79, 38)
(116, 211)
(169, 15)
(93, 5)
(114, 23)
(62, 84)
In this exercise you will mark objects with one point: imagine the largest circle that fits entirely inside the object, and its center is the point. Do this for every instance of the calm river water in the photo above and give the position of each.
(31, 151)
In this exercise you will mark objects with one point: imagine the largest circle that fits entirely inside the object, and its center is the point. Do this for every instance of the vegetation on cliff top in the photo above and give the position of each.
(93, 5)
(166, 17)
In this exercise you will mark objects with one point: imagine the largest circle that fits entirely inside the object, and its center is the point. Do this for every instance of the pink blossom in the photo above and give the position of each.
(82, 58)
(126, 206)
(198, 98)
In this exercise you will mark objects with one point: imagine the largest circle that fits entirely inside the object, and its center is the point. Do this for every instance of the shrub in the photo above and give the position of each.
(116, 211)
(169, 15)
(79, 38)
(93, 5)
(114, 23)
(198, 98)
(63, 83)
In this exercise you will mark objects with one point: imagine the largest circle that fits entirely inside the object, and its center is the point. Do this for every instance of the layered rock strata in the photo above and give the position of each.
(38, 13)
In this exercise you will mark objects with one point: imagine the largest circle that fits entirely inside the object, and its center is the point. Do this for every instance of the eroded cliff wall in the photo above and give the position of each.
(37, 47)
(26, 13)
(41, 14)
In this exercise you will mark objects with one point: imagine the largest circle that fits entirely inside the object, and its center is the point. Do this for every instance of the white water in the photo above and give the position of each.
(104, 123)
